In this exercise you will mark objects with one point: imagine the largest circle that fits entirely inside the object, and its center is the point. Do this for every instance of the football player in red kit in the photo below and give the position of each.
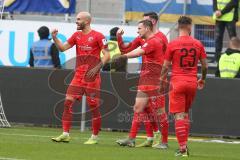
(183, 54)
(89, 43)
(156, 109)
(152, 59)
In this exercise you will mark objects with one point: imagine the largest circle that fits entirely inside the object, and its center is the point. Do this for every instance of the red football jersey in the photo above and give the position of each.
(184, 52)
(138, 41)
(152, 61)
(164, 39)
(88, 49)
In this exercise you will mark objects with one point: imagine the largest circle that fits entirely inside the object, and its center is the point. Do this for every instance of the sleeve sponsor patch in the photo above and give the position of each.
(104, 41)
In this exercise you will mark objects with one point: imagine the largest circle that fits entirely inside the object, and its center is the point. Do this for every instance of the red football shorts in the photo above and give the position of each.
(181, 96)
(78, 87)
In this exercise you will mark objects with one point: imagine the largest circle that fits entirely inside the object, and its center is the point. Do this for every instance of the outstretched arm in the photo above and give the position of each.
(135, 53)
(61, 46)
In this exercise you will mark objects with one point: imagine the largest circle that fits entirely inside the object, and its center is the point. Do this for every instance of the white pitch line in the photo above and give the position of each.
(217, 141)
(190, 139)
(5, 158)
(33, 135)
(202, 140)
(24, 135)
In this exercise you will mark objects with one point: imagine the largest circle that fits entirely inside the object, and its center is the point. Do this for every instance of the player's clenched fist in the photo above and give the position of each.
(120, 32)
(54, 33)
(201, 84)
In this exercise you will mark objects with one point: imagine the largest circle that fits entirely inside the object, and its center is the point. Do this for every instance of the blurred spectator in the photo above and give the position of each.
(226, 15)
(229, 63)
(43, 52)
(115, 51)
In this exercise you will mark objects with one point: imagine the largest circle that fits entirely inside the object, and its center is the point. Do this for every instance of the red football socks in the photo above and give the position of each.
(67, 115)
(135, 126)
(96, 120)
(181, 133)
(164, 125)
(137, 119)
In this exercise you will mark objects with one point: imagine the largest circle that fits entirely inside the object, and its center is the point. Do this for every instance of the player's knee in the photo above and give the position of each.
(179, 116)
(70, 98)
(68, 104)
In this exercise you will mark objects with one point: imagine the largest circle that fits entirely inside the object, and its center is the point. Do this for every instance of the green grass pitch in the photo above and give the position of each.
(33, 143)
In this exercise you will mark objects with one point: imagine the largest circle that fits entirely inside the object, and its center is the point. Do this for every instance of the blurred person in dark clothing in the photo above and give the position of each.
(43, 52)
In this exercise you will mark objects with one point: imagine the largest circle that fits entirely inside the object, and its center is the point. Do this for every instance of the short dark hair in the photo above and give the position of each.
(43, 32)
(113, 31)
(183, 21)
(235, 41)
(146, 23)
(152, 15)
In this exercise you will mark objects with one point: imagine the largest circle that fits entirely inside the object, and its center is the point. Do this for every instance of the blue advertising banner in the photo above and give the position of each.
(44, 6)
(199, 10)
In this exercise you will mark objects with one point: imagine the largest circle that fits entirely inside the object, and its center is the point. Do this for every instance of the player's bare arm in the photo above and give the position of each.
(133, 54)
(61, 46)
(104, 60)
(164, 73)
(201, 81)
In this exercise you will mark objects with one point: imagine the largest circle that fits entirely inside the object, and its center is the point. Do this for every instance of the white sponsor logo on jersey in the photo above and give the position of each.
(104, 41)
(145, 45)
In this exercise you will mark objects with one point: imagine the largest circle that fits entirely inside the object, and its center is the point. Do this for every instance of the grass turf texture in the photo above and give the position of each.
(32, 143)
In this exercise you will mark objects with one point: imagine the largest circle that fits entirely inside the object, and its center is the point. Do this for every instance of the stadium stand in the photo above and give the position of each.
(103, 11)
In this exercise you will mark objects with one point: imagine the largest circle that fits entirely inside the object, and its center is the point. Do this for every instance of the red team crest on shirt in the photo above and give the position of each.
(90, 39)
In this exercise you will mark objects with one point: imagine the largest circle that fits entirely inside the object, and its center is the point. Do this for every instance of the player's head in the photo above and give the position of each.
(43, 32)
(152, 16)
(185, 23)
(145, 27)
(113, 33)
(234, 43)
(83, 19)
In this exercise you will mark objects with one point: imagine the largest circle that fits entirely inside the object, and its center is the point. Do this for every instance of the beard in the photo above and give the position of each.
(81, 26)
